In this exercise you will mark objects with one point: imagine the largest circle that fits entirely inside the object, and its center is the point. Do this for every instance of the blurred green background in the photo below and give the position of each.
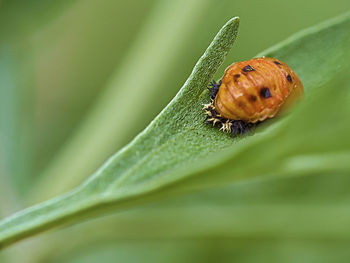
(79, 79)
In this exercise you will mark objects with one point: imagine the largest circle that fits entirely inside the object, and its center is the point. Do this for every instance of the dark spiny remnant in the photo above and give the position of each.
(240, 127)
(214, 88)
(289, 78)
(277, 63)
(213, 113)
(234, 127)
(213, 117)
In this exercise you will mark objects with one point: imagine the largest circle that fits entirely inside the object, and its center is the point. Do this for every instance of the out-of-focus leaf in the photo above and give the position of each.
(125, 102)
(73, 58)
(22, 16)
(13, 115)
(13, 129)
(313, 208)
(214, 250)
(177, 145)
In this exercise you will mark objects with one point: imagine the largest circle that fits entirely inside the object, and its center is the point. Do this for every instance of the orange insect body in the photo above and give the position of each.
(257, 89)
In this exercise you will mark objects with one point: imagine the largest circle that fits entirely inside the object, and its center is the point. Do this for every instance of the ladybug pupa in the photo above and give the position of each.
(251, 92)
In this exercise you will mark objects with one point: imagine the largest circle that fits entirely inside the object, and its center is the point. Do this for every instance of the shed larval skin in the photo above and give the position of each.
(257, 89)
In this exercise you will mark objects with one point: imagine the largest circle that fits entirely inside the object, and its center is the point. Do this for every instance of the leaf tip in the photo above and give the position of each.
(233, 21)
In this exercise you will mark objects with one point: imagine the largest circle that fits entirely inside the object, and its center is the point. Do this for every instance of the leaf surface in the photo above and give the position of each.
(178, 152)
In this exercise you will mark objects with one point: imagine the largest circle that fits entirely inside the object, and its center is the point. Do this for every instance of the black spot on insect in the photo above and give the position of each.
(247, 69)
(277, 63)
(289, 78)
(236, 76)
(252, 98)
(214, 88)
(265, 93)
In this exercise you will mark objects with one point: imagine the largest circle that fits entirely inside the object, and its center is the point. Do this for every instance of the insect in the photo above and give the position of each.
(251, 92)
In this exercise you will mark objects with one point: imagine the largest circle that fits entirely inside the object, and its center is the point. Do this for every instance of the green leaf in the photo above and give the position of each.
(100, 189)
(177, 145)
(246, 212)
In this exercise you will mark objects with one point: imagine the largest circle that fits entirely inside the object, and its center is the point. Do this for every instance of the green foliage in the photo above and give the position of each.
(146, 152)
(79, 79)
(177, 152)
